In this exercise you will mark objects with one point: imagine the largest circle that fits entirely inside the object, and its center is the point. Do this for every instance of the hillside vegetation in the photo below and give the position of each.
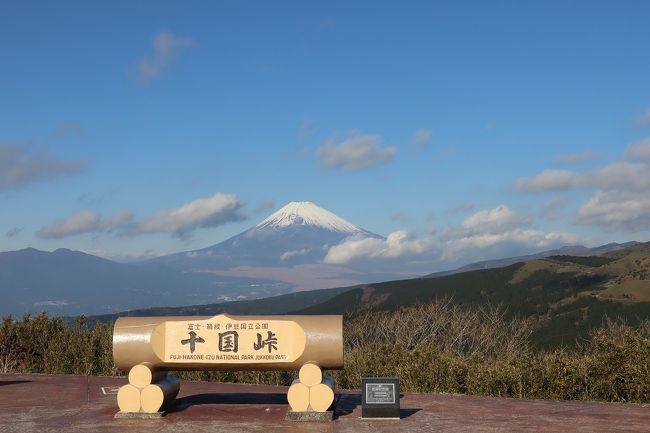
(435, 347)
(567, 297)
(561, 327)
(274, 305)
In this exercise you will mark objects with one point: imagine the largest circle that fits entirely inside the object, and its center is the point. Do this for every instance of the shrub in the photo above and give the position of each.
(437, 347)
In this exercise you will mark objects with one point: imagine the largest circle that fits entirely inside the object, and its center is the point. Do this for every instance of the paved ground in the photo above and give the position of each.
(43, 403)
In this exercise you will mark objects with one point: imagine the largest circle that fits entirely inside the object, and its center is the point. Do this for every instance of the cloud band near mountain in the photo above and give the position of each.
(180, 221)
(497, 230)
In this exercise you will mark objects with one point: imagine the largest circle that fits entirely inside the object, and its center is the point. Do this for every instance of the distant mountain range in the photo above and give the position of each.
(565, 295)
(65, 282)
(572, 250)
(288, 246)
(282, 254)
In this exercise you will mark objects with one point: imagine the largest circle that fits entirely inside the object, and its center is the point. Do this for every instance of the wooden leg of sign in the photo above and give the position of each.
(298, 396)
(128, 398)
(142, 375)
(158, 396)
(310, 374)
(321, 396)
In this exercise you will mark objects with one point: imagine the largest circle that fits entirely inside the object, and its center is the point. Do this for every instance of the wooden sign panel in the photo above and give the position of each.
(224, 339)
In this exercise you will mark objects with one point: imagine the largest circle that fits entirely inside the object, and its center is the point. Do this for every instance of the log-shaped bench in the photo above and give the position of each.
(148, 347)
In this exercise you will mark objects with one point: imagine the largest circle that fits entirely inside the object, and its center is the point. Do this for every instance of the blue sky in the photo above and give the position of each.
(468, 128)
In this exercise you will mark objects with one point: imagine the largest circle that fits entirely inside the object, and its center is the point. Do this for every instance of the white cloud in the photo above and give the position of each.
(618, 175)
(422, 137)
(166, 50)
(22, 165)
(117, 220)
(492, 220)
(517, 237)
(487, 233)
(621, 176)
(616, 210)
(570, 158)
(501, 230)
(644, 118)
(205, 212)
(288, 254)
(354, 153)
(548, 180)
(620, 198)
(84, 222)
(639, 150)
(398, 244)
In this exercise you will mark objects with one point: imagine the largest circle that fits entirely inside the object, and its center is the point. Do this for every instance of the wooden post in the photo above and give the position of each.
(310, 374)
(298, 396)
(157, 396)
(128, 398)
(321, 396)
(142, 375)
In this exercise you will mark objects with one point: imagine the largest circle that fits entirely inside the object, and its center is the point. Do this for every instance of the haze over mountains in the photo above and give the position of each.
(565, 296)
(65, 282)
(288, 246)
(283, 253)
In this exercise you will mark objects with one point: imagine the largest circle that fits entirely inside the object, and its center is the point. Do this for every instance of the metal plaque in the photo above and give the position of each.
(380, 393)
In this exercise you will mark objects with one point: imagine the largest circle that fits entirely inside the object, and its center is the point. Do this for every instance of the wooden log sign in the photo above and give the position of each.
(226, 342)
(148, 347)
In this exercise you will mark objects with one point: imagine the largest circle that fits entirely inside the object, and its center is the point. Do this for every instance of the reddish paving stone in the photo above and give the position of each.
(45, 403)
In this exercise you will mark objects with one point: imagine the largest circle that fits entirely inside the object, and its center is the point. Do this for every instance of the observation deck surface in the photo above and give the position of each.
(44, 403)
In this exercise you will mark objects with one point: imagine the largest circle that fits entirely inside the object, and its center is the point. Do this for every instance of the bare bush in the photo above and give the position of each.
(442, 325)
(437, 347)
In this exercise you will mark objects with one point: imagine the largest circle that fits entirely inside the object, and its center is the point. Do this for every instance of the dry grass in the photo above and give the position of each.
(532, 266)
(442, 325)
(478, 352)
(437, 347)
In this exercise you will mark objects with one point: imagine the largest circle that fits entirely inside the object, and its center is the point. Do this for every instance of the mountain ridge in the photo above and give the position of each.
(567, 296)
(570, 250)
(298, 233)
(69, 278)
(65, 282)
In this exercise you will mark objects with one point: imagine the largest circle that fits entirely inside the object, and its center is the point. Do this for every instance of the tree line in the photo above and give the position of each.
(434, 347)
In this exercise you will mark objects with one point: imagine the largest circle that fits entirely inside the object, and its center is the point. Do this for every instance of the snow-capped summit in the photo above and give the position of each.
(298, 233)
(306, 213)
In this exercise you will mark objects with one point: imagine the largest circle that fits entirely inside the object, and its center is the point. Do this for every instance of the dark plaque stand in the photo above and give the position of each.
(380, 397)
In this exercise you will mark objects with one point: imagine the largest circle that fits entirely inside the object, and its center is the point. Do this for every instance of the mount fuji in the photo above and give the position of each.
(281, 254)
(288, 246)
(297, 234)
